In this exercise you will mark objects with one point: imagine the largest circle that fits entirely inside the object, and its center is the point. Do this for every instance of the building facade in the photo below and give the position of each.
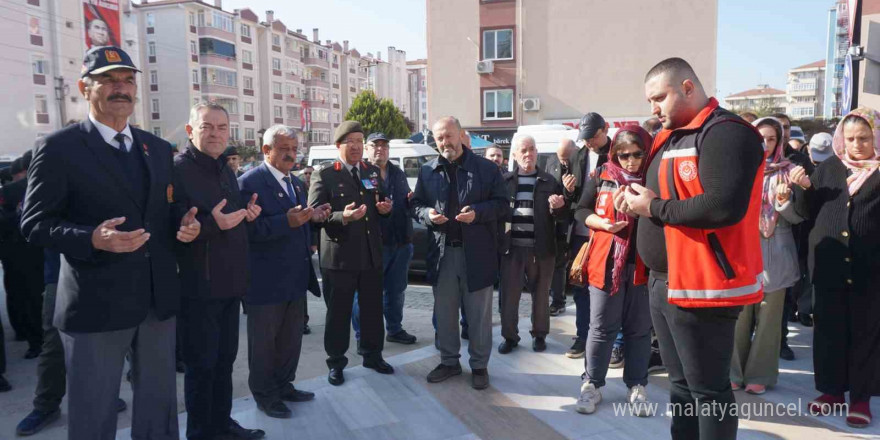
(418, 94)
(868, 88)
(763, 99)
(837, 46)
(503, 63)
(806, 91)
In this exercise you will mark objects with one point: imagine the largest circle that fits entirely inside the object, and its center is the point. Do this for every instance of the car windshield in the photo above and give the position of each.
(411, 165)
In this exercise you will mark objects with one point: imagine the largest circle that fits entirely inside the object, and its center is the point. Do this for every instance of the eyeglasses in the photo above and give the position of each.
(634, 155)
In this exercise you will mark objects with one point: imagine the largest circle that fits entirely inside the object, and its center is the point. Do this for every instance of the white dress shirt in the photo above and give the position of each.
(108, 134)
(278, 175)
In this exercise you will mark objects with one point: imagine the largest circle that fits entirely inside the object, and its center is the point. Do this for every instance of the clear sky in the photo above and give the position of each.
(758, 40)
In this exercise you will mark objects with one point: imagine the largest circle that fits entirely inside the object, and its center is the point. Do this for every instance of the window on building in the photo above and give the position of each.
(276, 64)
(154, 105)
(192, 19)
(498, 44)
(151, 48)
(201, 18)
(195, 76)
(498, 104)
(234, 132)
(154, 78)
(151, 20)
(40, 66)
(289, 89)
(335, 59)
(220, 77)
(276, 87)
(248, 134)
(322, 54)
(247, 57)
(41, 109)
(193, 48)
(276, 40)
(278, 111)
(230, 104)
(34, 30)
(245, 30)
(335, 99)
(222, 21)
(248, 82)
(157, 131)
(249, 108)
(335, 79)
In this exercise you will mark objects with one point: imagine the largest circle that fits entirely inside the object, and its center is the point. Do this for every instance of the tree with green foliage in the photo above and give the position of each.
(376, 114)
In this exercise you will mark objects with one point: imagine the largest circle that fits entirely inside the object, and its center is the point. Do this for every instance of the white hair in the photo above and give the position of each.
(277, 130)
(518, 140)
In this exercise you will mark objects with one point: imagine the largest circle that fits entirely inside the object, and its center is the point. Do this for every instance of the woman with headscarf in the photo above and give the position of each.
(755, 363)
(843, 195)
(616, 275)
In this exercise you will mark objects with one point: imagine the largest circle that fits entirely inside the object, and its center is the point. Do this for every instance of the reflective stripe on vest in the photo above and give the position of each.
(717, 293)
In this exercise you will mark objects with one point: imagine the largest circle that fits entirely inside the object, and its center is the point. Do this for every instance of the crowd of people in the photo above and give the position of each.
(687, 244)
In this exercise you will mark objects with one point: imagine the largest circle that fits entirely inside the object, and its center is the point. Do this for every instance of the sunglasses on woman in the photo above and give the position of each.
(634, 155)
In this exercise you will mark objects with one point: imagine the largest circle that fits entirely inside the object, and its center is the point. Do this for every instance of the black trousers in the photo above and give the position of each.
(274, 344)
(209, 330)
(845, 337)
(51, 371)
(24, 284)
(339, 289)
(697, 346)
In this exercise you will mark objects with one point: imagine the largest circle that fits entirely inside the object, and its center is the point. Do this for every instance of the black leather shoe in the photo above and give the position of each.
(539, 344)
(806, 320)
(276, 410)
(360, 351)
(379, 365)
(291, 394)
(36, 421)
(507, 346)
(33, 352)
(785, 352)
(401, 337)
(4, 385)
(336, 377)
(179, 366)
(236, 432)
(120, 405)
(443, 372)
(307, 330)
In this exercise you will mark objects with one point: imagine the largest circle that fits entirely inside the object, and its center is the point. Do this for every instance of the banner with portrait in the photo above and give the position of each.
(101, 18)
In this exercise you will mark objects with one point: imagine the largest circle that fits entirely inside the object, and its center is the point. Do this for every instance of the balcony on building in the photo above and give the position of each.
(208, 31)
(321, 63)
(217, 53)
(317, 103)
(293, 100)
(290, 76)
(316, 82)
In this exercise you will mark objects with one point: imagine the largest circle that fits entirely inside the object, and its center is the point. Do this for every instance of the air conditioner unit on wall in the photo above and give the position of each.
(531, 104)
(485, 67)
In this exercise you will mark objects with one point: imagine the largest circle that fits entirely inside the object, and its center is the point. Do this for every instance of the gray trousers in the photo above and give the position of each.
(450, 292)
(94, 365)
(628, 309)
(757, 341)
(539, 274)
(51, 373)
(274, 334)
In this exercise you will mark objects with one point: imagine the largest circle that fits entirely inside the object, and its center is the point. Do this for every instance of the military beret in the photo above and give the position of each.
(346, 128)
(230, 151)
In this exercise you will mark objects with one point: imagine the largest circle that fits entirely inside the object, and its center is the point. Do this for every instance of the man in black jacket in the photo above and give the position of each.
(560, 166)
(97, 193)
(213, 273)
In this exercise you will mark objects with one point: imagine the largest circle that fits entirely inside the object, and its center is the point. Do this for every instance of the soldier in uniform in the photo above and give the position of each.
(351, 251)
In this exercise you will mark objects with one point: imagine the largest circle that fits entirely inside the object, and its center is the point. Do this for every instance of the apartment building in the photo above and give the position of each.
(805, 91)
(418, 94)
(499, 64)
(868, 87)
(261, 71)
(44, 42)
(763, 99)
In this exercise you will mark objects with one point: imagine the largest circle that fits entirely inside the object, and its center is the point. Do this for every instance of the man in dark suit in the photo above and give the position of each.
(98, 192)
(560, 166)
(281, 268)
(351, 251)
(213, 274)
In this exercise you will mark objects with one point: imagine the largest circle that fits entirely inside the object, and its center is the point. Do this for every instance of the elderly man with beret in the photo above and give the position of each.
(351, 250)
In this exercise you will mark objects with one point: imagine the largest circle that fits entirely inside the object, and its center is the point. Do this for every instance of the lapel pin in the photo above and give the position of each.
(146, 150)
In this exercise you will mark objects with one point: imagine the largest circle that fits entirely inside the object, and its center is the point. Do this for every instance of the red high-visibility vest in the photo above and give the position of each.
(708, 267)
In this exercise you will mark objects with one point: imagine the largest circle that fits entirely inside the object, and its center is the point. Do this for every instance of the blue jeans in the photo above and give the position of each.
(395, 261)
(581, 294)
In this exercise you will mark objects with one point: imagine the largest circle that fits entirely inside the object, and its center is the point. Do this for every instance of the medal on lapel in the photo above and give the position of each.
(146, 150)
(169, 193)
(337, 166)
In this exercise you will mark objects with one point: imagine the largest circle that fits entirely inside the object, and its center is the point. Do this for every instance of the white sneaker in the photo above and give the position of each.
(589, 398)
(638, 401)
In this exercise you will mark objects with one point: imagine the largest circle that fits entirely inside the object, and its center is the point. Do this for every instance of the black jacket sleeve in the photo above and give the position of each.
(729, 158)
(587, 203)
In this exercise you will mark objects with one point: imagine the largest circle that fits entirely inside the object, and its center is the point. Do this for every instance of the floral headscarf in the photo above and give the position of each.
(776, 169)
(861, 169)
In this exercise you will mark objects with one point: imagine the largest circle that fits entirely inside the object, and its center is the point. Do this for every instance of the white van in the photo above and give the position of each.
(408, 156)
(547, 139)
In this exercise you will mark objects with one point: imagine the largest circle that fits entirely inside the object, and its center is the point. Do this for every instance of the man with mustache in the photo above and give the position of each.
(351, 251)
(281, 269)
(213, 273)
(99, 192)
(461, 197)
